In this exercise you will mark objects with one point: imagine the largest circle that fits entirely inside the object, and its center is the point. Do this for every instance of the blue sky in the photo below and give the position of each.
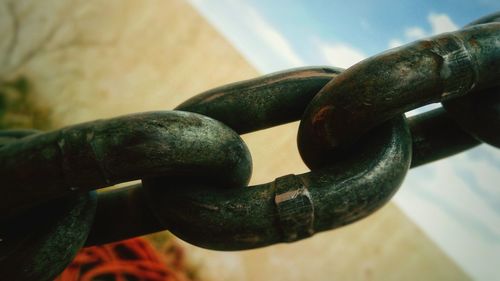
(455, 201)
(279, 34)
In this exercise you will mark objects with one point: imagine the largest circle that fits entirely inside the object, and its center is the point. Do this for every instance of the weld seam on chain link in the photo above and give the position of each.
(295, 208)
(458, 71)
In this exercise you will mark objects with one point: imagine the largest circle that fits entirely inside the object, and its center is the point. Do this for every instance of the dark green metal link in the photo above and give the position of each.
(386, 85)
(126, 212)
(38, 244)
(263, 102)
(493, 17)
(8, 136)
(479, 113)
(96, 154)
(291, 207)
(436, 135)
(260, 103)
(194, 169)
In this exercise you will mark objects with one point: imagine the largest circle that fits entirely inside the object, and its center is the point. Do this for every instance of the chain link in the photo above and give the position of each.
(389, 84)
(194, 169)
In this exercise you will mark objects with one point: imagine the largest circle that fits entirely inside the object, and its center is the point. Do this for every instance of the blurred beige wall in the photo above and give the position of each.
(63, 62)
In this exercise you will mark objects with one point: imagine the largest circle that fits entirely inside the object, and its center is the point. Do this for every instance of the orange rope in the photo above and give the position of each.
(134, 259)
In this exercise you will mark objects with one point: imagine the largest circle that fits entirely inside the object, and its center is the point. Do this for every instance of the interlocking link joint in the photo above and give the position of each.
(353, 135)
(394, 82)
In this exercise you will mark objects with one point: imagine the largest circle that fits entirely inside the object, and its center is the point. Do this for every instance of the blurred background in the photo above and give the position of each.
(64, 62)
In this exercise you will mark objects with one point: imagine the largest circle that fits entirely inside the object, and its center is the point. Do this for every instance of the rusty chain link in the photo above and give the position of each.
(194, 166)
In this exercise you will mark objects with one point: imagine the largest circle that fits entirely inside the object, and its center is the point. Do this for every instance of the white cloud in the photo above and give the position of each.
(414, 33)
(393, 43)
(273, 38)
(341, 55)
(439, 23)
(456, 202)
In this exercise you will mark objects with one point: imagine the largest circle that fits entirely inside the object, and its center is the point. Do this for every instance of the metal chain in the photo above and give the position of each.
(194, 169)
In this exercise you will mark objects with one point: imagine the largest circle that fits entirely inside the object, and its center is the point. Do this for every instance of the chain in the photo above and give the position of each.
(195, 167)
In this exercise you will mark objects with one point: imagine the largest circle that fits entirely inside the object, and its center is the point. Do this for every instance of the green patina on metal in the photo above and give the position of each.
(194, 169)
(381, 87)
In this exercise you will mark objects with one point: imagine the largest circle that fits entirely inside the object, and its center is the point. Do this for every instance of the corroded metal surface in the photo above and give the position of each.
(479, 112)
(245, 218)
(8, 136)
(381, 87)
(263, 102)
(345, 190)
(194, 169)
(493, 17)
(121, 214)
(435, 136)
(127, 212)
(39, 243)
(105, 152)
